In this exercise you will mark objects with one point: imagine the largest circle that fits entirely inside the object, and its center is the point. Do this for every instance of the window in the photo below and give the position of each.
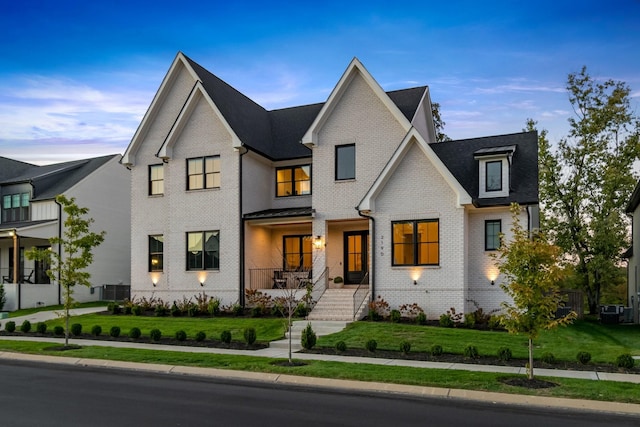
(494, 176)
(293, 181)
(156, 249)
(416, 242)
(345, 162)
(15, 207)
(297, 252)
(492, 230)
(203, 250)
(156, 180)
(203, 172)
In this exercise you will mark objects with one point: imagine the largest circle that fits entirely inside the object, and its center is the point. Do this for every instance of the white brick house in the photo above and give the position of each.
(227, 196)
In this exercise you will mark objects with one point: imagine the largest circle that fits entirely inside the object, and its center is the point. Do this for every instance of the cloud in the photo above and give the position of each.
(518, 87)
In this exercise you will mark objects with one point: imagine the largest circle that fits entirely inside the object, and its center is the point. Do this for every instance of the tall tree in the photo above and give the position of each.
(586, 181)
(438, 123)
(533, 271)
(74, 254)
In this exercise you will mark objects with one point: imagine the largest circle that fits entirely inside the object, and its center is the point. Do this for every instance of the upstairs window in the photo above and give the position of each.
(15, 207)
(492, 230)
(416, 242)
(156, 180)
(345, 162)
(493, 177)
(203, 172)
(203, 250)
(494, 167)
(293, 181)
(156, 252)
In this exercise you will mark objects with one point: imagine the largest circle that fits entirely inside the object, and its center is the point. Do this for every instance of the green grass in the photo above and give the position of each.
(567, 388)
(267, 329)
(28, 311)
(604, 342)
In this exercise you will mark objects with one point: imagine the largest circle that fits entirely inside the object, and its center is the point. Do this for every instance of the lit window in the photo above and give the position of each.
(203, 250)
(345, 162)
(492, 230)
(156, 248)
(297, 252)
(416, 242)
(494, 176)
(203, 172)
(293, 181)
(156, 180)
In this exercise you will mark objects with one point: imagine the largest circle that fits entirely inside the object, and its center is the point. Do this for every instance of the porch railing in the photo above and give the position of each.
(26, 276)
(360, 295)
(278, 278)
(320, 286)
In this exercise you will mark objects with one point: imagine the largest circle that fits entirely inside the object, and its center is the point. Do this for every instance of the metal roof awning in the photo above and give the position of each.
(284, 215)
(43, 229)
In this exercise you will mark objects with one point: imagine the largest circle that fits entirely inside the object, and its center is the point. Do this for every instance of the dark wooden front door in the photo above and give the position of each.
(356, 256)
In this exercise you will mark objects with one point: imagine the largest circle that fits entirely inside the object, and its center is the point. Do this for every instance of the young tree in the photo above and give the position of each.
(74, 253)
(532, 270)
(586, 182)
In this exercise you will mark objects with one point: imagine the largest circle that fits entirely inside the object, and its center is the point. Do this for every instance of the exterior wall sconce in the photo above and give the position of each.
(317, 242)
(202, 284)
(154, 284)
(493, 282)
(415, 283)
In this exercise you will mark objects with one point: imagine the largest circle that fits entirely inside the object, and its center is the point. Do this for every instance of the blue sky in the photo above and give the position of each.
(76, 77)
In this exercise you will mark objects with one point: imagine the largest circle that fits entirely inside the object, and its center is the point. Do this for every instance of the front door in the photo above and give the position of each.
(356, 256)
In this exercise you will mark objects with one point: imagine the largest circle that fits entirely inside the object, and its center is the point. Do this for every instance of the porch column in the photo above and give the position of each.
(16, 256)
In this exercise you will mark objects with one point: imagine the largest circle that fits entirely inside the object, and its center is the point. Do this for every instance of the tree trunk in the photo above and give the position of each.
(530, 370)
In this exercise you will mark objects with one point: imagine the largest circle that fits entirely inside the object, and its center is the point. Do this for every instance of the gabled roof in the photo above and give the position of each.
(458, 156)
(634, 201)
(310, 138)
(50, 180)
(10, 167)
(412, 137)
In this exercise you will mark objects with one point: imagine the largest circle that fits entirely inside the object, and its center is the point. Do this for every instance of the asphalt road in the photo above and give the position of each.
(56, 395)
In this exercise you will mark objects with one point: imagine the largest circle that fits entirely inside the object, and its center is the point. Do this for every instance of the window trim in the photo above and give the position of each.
(152, 181)
(337, 149)
(202, 250)
(415, 243)
(293, 181)
(156, 253)
(204, 172)
(301, 238)
(486, 234)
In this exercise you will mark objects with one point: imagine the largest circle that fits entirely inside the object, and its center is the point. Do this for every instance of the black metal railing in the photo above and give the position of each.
(278, 278)
(360, 295)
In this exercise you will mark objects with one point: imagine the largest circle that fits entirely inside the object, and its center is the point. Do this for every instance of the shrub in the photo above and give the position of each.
(471, 351)
(237, 310)
(181, 335)
(494, 323)
(10, 326)
(193, 311)
(309, 338)
(395, 316)
(113, 308)
(127, 309)
(25, 327)
(469, 320)
(175, 310)
(583, 357)
(58, 330)
(421, 318)
(371, 345)
(76, 329)
(341, 346)
(110, 307)
(625, 361)
(214, 307)
(302, 310)
(161, 310)
(135, 333)
(256, 311)
(114, 331)
(436, 350)
(405, 347)
(155, 334)
(96, 330)
(504, 354)
(548, 357)
(378, 309)
(200, 336)
(250, 335)
(446, 321)
(136, 310)
(41, 328)
(225, 337)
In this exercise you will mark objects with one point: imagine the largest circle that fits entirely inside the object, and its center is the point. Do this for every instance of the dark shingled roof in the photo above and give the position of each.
(50, 180)
(458, 157)
(277, 134)
(10, 167)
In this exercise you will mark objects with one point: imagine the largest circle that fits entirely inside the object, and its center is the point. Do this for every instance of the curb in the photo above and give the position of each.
(341, 385)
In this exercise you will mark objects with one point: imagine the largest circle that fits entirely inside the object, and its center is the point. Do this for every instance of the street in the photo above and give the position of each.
(56, 395)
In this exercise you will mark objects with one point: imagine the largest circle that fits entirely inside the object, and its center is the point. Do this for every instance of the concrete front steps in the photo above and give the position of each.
(320, 327)
(335, 304)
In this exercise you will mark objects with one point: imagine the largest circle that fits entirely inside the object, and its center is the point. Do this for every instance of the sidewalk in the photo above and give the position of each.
(355, 385)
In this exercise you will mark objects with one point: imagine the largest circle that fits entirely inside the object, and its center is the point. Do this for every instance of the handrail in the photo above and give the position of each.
(356, 304)
(319, 287)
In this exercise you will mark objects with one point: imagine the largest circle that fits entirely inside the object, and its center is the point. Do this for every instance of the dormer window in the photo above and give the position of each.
(494, 171)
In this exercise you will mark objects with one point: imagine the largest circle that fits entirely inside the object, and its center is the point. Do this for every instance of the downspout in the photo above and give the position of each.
(372, 255)
(59, 247)
(243, 151)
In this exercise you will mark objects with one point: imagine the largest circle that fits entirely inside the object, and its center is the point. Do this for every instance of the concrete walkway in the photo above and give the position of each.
(280, 352)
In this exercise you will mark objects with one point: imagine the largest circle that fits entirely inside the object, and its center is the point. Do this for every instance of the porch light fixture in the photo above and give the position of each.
(493, 282)
(317, 242)
(415, 283)
(202, 284)
(154, 284)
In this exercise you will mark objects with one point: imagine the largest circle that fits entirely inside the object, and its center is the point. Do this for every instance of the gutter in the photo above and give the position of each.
(59, 247)
(372, 255)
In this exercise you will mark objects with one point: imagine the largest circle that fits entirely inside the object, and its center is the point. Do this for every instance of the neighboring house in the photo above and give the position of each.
(633, 255)
(31, 216)
(228, 196)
